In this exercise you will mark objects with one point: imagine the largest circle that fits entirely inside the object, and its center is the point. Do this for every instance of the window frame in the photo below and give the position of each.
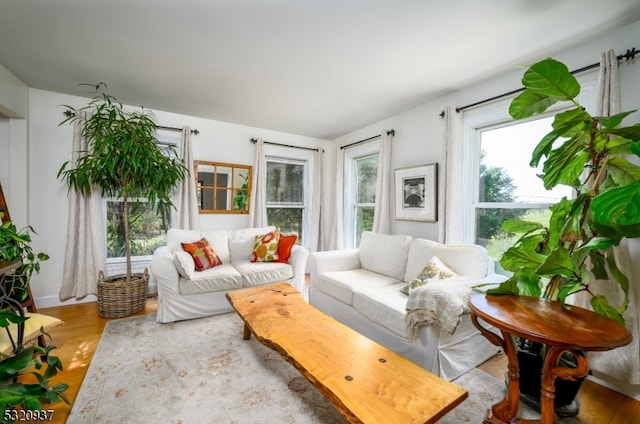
(351, 156)
(304, 157)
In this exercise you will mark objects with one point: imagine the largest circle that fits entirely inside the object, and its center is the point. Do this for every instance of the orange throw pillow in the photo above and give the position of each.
(202, 254)
(285, 245)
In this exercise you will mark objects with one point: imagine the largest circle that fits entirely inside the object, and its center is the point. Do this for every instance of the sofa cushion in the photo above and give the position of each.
(31, 330)
(241, 242)
(470, 260)
(223, 277)
(342, 284)
(202, 254)
(265, 247)
(384, 305)
(219, 240)
(176, 236)
(258, 273)
(385, 254)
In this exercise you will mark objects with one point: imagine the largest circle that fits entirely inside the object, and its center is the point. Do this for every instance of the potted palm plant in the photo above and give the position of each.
(125, 160)
(592, 155)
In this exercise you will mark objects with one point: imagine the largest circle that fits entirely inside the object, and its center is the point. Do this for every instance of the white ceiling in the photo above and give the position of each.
(320, 68)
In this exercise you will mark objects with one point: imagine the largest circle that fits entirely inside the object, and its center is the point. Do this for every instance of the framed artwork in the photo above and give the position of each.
(417, 193)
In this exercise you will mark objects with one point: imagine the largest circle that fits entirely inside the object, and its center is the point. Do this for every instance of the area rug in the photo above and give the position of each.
(202, 371)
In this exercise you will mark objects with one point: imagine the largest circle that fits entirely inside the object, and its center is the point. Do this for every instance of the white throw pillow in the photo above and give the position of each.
(434, 270)
(184, 264)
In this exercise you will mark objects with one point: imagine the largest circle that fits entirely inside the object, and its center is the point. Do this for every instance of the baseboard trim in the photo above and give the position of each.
(51, 301)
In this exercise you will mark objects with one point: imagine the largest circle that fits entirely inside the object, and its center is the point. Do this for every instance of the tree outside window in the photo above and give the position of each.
(366, 174)
(286, 195)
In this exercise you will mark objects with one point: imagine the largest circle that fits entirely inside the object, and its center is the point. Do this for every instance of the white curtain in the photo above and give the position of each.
(258, 208)
(187, 201)
(452, 188)
(382, 214)
(315, 237)
(85, 250)
(337, 230)
(622, 363)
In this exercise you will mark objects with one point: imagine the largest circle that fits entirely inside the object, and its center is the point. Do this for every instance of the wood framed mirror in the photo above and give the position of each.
(222, 187)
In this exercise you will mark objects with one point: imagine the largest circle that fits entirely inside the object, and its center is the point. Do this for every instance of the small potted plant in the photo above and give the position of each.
(591, 155)
(125, 160)
(15, 245)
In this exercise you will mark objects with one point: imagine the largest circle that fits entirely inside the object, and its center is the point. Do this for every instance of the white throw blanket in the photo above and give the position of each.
(439, 302)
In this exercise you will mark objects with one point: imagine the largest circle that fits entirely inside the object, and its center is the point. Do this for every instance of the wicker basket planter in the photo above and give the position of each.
(119, 299)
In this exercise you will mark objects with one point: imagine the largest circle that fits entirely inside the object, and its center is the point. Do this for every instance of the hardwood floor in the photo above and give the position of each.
(78, 338)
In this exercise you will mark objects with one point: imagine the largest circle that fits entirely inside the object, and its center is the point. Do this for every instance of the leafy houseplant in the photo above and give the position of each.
(14, 246)
(591, 155)
(123, 159)
(36, 361)
(15, 392)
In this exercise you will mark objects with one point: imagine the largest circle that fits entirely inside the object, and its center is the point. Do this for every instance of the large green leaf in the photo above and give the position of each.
(551, 78)
(619, 205)
(622, 171)
(559, 263)
(613, 121)
(524, 254)
(564, 220)
(520, 227)
(601, 305)
(566, 163)
(567, 124)
(528, 103)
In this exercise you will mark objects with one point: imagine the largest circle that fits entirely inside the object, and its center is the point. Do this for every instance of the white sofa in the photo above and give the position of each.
(361, 289)
(182, 296)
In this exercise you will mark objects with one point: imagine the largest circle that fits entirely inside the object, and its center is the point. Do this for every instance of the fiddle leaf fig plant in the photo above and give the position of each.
(595, 156)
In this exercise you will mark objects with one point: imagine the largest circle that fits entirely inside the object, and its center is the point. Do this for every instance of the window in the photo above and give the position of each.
(361, 170)
(147, 226)
(285, 195)
(506, 186)
(499, 182)
(288, 189)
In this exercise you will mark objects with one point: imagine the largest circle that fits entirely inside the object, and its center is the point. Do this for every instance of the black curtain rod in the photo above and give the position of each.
(194, 131)
(630, 54)
(255, 140)
(390, 132)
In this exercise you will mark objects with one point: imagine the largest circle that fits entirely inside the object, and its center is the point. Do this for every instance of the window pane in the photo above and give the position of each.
(505, 174)
(367, 170)
(147, 229)
(489, 231)
(285, 183)
(289, 220)
(364, 221)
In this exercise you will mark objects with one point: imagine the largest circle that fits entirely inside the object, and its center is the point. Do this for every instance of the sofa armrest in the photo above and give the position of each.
(333, 260)
(298, 262)
(164, 270)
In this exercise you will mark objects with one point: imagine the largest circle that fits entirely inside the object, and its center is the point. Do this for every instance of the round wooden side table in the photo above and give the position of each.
(561, 329)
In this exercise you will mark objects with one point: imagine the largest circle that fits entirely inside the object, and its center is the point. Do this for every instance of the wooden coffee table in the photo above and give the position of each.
(365, 381)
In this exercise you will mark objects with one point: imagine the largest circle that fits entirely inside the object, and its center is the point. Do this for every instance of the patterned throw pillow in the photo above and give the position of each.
(434, 270)
(285, 245)
(202, 254)
(265, 247)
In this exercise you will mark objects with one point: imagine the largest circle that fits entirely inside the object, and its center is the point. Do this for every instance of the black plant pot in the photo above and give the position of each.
(565, 401)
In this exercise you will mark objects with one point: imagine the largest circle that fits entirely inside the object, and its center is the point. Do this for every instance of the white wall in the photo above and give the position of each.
(14, 109)
(51, 146)
(418, 136)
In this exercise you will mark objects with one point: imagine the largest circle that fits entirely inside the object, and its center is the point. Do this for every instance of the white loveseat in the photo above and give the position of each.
(183, 295)
(362, 289)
